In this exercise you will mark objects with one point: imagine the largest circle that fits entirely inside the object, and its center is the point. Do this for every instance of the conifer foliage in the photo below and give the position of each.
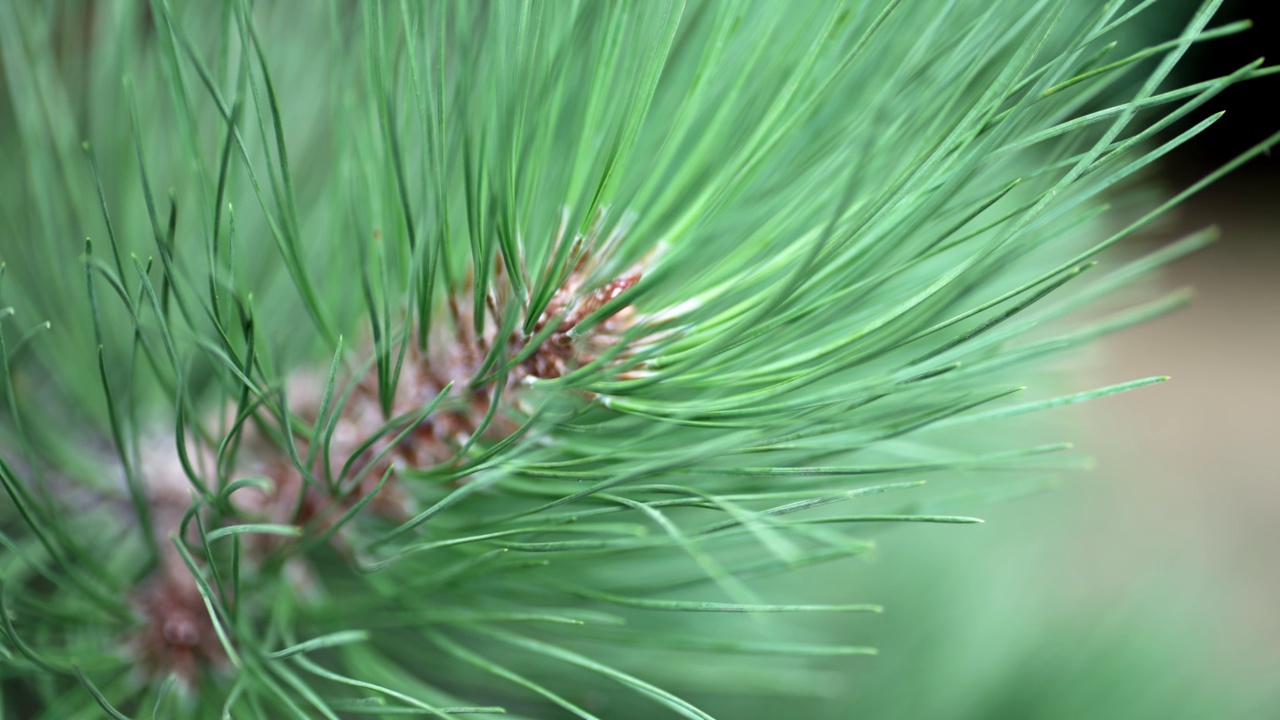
(423, 358)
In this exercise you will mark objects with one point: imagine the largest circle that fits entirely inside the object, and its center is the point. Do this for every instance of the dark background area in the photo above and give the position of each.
(1251, 108)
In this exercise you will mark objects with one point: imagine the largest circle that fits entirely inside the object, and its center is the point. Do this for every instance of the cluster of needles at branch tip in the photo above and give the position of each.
(380, 412)
(176, 634)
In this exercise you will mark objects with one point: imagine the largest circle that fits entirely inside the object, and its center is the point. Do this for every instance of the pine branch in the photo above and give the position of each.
(483, 351)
